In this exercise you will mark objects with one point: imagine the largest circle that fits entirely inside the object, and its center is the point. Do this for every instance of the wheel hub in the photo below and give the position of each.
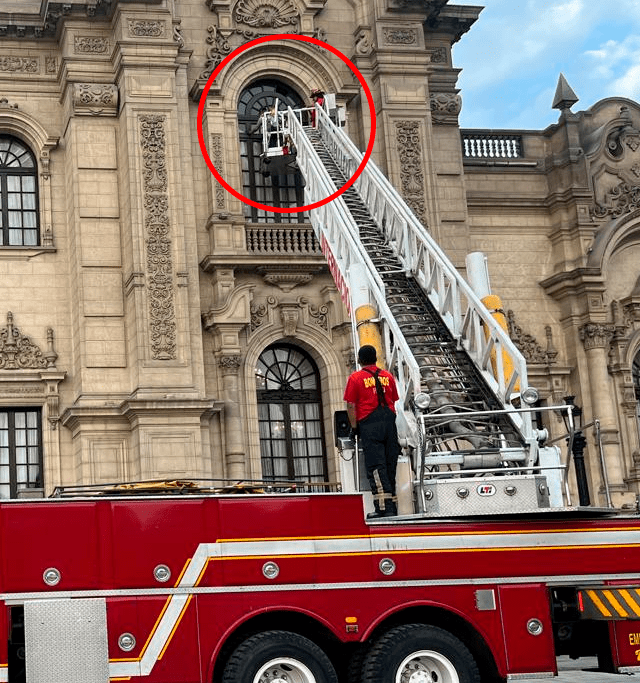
(426, 666)
(284, 670)
(419, 675)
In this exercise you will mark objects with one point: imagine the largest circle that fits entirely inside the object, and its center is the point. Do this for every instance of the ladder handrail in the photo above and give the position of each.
(338, 235)
(474, 327)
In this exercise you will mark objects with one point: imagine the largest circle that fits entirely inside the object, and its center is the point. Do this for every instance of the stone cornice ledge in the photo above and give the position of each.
(44, 20)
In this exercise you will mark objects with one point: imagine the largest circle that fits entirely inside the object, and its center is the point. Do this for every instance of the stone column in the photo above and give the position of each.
(234, 441)
(596, 338)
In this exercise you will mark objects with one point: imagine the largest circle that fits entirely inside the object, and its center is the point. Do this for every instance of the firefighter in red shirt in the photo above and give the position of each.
(370, 395)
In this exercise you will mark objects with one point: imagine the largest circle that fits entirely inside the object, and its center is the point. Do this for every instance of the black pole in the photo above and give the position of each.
(577, 448)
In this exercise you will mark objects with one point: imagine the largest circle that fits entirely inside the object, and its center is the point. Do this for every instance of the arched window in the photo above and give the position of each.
(280, 191)
(290, 416)
(19, 221)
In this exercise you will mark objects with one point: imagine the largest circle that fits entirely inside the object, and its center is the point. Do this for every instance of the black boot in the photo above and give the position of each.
(376, 511)
(391, 509)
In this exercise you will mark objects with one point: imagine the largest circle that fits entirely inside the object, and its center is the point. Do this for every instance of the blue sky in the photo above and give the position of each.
(512, 57)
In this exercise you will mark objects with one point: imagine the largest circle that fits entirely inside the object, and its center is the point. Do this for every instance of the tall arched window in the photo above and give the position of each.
(280, 191)
(290, 416)
(19, 223)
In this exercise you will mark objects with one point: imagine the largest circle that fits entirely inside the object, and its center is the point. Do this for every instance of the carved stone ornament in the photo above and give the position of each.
(596, 335)
(411, 166)
(93, 45)
(146, 29)
(95, 98)
(290, 315)
(445, 107)
(317, 314)
(363, 41)
(528, 345)
(438, 55)
(623, 135)
(217, 157)
(230, 365)
(26, 65)
(218, 49)
(17, 351)
(285, 280)
(400, 36)
(621, 199)
(158, 241)
(51, 65)
(177, 36)
(266, 13)
(222, 42)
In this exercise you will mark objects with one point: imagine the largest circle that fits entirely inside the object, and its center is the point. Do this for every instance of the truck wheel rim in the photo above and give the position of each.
(284, 670)
(426, 666)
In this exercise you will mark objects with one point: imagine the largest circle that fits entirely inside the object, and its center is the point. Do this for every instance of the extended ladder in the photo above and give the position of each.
(439, 337)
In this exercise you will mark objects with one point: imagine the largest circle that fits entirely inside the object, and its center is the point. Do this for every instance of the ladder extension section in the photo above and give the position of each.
(439, 337)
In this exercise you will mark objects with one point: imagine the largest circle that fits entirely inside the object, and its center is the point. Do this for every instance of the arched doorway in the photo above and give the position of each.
(279, 191)
(290, 416)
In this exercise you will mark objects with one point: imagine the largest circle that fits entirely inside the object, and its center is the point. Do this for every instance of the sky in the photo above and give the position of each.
(512, 56)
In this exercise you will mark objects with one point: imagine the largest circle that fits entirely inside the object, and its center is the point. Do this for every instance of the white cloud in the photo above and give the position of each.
(617, 65)
(627, 85)
(566, 12)
(513, 54)
(522, 36)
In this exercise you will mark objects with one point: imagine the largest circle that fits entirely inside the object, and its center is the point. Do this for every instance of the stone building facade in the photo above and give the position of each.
(155, 326)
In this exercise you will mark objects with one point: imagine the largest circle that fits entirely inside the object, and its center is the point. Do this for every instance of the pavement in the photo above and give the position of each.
(583, 670)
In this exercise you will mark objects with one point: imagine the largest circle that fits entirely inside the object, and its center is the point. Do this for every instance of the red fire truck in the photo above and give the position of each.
(487, 574)
(302, 588)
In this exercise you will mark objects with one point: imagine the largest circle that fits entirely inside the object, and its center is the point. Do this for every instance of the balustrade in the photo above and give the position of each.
(290, 239)
(491, 146)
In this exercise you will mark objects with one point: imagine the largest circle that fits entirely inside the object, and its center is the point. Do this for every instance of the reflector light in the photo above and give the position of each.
(580, 601)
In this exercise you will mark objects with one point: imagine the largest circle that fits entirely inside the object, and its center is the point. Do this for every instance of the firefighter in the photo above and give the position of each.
(371, 394)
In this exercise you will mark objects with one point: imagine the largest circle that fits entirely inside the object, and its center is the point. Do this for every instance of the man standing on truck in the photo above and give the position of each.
(371, 394)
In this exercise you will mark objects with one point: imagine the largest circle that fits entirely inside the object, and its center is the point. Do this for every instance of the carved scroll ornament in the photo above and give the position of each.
(621, 199)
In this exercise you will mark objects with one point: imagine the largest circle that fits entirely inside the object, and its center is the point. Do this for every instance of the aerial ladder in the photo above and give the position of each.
(465, 412)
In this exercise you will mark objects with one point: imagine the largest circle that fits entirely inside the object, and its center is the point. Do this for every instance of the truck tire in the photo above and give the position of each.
(278, 657)
(416, 653)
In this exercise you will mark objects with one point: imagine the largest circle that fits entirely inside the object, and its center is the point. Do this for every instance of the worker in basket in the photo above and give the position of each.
(317, 97)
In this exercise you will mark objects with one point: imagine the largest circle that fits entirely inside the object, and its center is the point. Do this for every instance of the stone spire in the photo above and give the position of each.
(564, 98)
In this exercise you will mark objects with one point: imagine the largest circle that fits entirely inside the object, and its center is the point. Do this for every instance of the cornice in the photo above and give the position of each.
(574, 281)
(45, 21)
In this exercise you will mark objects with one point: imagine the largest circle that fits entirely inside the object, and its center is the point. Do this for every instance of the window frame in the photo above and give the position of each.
(5, 209)
(29, 130)
(253, 99)
(14, 484)
(286, 397)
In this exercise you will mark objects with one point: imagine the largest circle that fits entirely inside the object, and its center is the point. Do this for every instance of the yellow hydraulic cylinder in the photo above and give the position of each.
(368, 330)
(494, 305)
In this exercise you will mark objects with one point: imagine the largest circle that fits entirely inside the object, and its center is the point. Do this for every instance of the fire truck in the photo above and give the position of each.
(488, 573)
